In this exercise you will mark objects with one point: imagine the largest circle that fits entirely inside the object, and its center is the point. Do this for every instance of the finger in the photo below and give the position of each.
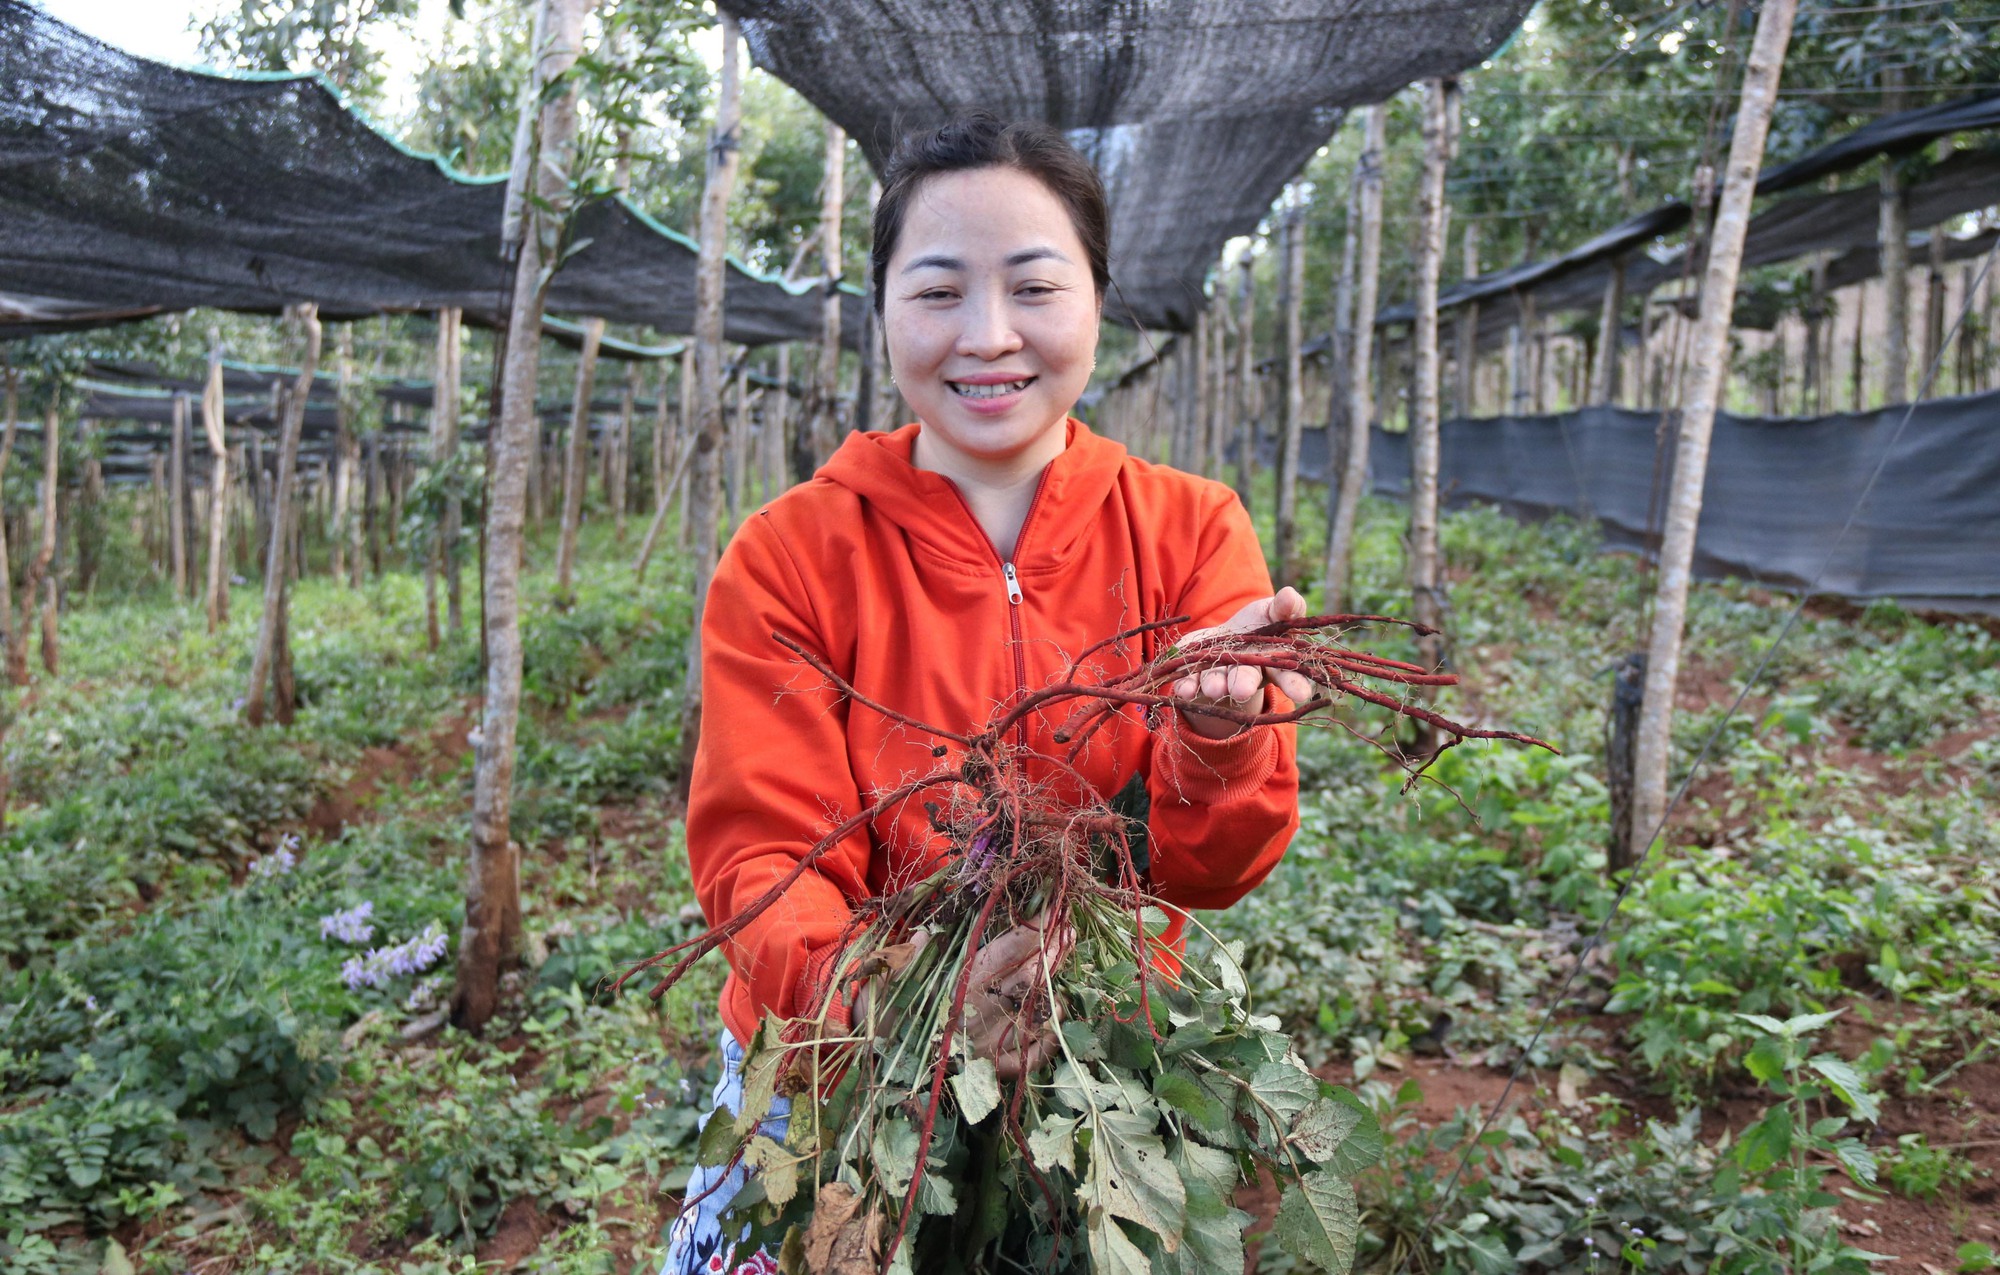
(1186, 688)
(1215, 683)
(1296, 686)
(1245, 682)
(1287, 604)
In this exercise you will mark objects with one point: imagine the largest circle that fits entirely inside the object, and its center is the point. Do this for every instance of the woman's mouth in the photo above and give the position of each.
(996, 390)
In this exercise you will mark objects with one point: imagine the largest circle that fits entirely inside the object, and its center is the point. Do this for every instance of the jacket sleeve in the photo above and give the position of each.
(1223, 811)
(771, 777)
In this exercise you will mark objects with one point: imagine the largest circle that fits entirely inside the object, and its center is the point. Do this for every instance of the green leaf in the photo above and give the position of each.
(1807, 1024)
(1847, 1082)
(977, 1088)
(1053, 1146)
(1181, 1092)
(1767, 1142)
(1130, 1176)
(1489, 1254)
(777, 1168)
(1319, 1221)
(1213, 1240)
(1764, 1023)
(1767, 1058)
(1340, 1136)
(1713, 987)
(1208, 1165)
(895, 1147)
(1112, 1252)
(1857, 1159)
(1281, 1091)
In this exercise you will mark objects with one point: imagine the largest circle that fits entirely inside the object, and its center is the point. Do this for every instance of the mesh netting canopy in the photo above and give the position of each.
(128, 187)
(1844, 223)
(1196, 112)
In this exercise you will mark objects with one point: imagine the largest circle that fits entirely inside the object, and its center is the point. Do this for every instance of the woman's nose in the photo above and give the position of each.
(988, 331)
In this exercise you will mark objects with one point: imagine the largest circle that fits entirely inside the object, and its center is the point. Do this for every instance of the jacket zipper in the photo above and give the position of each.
(1012, 581)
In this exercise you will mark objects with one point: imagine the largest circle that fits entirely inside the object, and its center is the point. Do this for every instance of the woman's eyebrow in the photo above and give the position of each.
(938, 261)
(1044, 253)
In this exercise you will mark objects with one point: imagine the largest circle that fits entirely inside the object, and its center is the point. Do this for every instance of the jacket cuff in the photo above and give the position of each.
(814, 983)
(1210, 771)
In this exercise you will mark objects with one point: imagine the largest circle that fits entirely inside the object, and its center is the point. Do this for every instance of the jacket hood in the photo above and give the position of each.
(876, 466)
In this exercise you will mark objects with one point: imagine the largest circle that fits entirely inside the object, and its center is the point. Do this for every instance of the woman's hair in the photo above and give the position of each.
(981, 139)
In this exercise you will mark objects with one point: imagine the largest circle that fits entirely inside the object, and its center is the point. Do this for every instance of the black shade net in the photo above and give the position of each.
(1196, 112)
(1844, 222)
(129, 188)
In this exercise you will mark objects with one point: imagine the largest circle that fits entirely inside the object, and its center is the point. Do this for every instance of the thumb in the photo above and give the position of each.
(1286, 604)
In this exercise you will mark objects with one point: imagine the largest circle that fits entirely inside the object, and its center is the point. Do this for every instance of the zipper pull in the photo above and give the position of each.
(1013, 583)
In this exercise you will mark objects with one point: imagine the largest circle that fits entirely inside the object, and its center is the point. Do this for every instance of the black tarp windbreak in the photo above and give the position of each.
(1778, 490)
(128, 187)
(1196, 112)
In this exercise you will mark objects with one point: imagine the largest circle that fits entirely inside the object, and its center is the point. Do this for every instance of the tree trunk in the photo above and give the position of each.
(1340, 358)
(177, 537)
(1893, 246)
(1930, 373)
(1426, 602)
(739, 442)
(1360, 377)
(576, 465)
(218, 493)
(1246, 383)
(271, 629)
(492, 933)
(777, 406)
(371, 511)
(662, 437)
(1812, 394)
(705, 476)
(1705, 379)
(1464, 392)
(1200, 426)
(12, 408)
(824, 406)
(1291, 391)
(620, 452)
(45, 552)
(689, 430)
(1610, 322)
(449, 388)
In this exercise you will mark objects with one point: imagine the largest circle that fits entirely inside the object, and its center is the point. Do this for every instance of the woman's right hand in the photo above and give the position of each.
(1006, 1000)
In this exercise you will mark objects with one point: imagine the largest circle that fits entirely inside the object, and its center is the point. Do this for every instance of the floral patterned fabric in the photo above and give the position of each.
(695, 1245)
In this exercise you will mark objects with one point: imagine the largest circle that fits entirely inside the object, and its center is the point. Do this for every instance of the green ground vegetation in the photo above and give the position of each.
(203, 1066)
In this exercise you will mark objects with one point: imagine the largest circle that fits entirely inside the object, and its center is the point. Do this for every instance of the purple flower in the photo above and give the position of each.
(90, 1003)
(380, 964)
(278, 863)
(350, 926)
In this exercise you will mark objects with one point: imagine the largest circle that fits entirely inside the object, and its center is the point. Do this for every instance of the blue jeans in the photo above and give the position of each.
(694, 1244)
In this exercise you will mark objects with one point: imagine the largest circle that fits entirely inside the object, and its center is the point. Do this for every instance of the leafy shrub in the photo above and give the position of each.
(1905, 689)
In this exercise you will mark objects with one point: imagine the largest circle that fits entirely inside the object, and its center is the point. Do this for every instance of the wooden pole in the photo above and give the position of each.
(31, 586)
(444, 405)
(1246, 381)
(689, 428)
(705, 475)
(1464, 391)
(218, 491)
(1893, 249)
(12, 410)
(777, 406)
(1610, 321)
(1425, 585)
(1705, 374)
(492, 934)
(283, 504)
(1932, 369)
(576, 464)
(619, 452)
(1291, 390)
(825, 405)
(1360, 377)
(51, 496)
(177, 540)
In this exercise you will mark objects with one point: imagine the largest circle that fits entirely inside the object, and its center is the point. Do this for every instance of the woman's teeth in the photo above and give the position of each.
(989, 391)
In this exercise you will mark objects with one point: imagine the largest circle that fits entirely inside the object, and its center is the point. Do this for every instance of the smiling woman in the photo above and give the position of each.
(957, 563)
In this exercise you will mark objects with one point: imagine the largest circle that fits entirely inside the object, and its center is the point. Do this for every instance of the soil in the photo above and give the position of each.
(397, 765)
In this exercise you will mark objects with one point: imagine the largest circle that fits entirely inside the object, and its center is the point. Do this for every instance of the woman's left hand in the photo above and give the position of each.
(1240, 686)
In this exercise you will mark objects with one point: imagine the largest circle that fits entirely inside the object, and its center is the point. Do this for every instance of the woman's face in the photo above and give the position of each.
(989, 312)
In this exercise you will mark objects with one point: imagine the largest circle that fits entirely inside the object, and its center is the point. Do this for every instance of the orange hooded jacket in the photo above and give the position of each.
(880, 568)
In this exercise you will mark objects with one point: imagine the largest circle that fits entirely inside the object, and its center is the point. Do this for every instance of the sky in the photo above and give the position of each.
(163, 30)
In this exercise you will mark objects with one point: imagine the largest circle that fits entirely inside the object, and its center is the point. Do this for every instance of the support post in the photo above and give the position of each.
(705, 475)
(218, 491)
(1464, 391)
(1360, 376)
(1246, 381)
(270, 632)
(1426, 602)
(824, 408)
(1610, 322)
(576, 466)
(492, 934)
(1705, 374)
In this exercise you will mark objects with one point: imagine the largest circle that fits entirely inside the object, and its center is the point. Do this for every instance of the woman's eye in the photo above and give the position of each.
(1036, 290)
(935, 294)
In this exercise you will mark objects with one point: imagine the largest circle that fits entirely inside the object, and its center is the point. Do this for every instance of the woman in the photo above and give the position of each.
(954, 565)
